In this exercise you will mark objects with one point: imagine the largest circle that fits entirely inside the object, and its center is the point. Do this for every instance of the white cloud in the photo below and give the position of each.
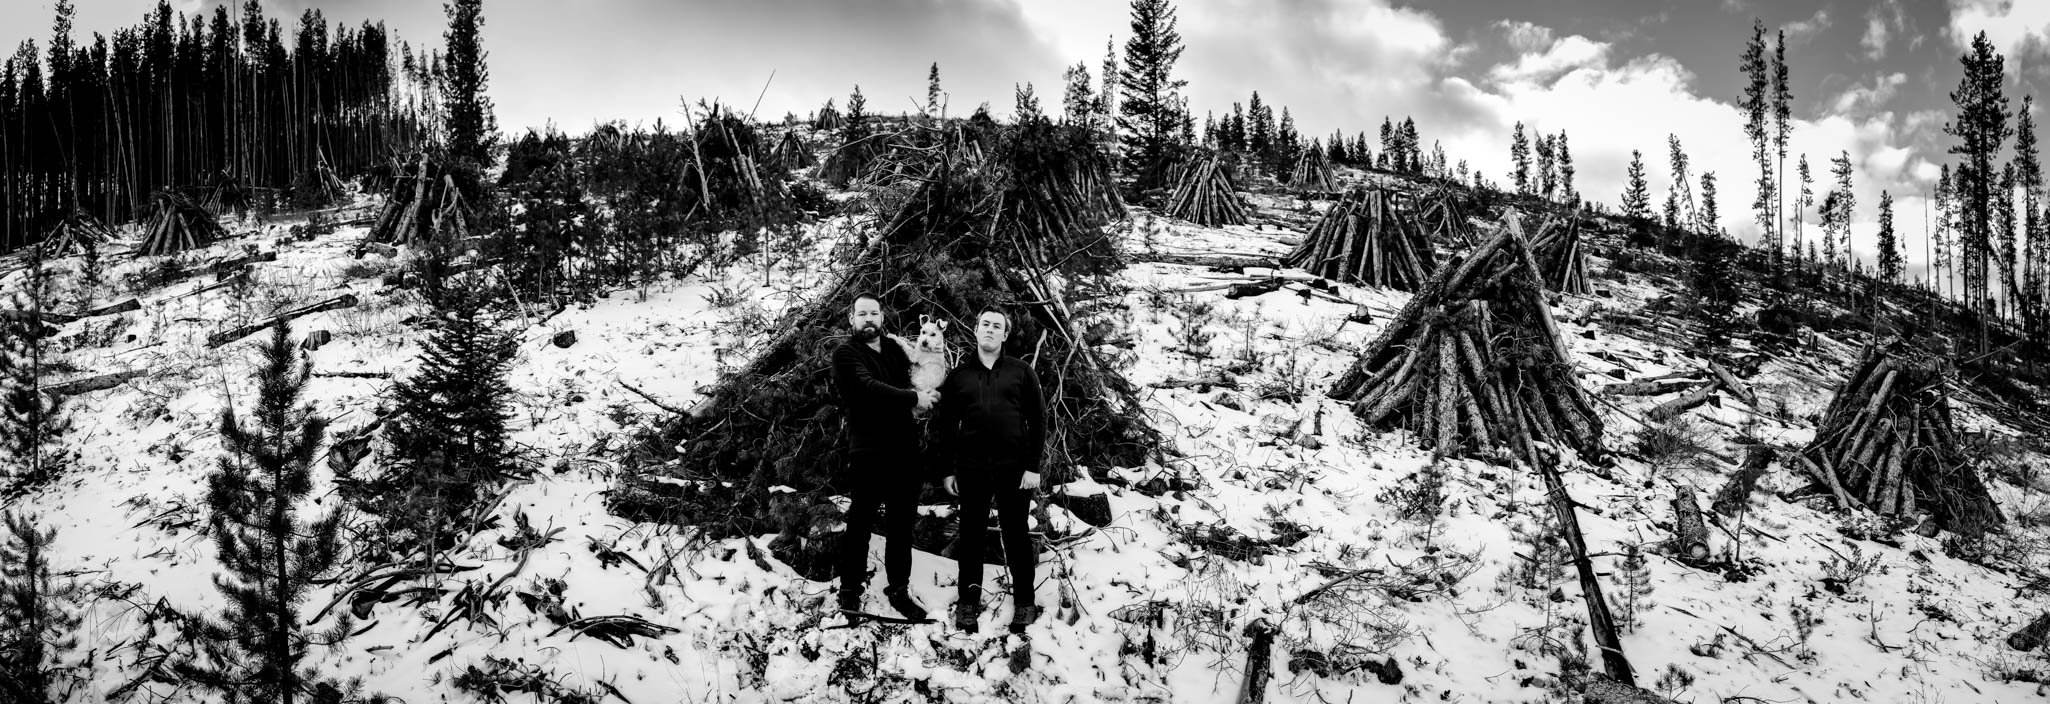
(1561, 57)
(1862, 99)
(1802, 31)
(2012, 25)
(1878, 27)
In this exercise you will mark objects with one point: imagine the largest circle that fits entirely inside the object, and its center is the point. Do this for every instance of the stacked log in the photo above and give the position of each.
(76, 233)
(792, 153)
(1204, 194)
(1313, 172)
(1366, 240)
(178, 225)
(423, 205)
(226, 194)
(1474, 361)
(828, 118)
(1561, 256)
(1443, 216)
(1888, 443)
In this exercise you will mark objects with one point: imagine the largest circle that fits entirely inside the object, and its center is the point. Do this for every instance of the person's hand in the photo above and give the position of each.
(927, 398)
(952, 488)
(1029, 481)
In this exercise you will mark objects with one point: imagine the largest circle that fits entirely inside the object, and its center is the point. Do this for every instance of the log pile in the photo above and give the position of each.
(1474, 361)
(791, 152)
(423, 205)
(178, 225)
(1700, 386)
(74, 234)
(226, 194)
(1561, 256)
(1367, 241)
(829, 118)
(1888, 443)
(1443, 214)
(850, 161)
(1204, 194)
(1313, 172)
(318, 187)
(964, 236)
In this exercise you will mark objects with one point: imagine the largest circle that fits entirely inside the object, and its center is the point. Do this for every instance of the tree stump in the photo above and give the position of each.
(1690, 534)
(564, 339)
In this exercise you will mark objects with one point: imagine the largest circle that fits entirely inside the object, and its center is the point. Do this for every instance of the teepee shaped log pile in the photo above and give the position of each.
(178, 225)
(1475, 362)
(1367, 241)
(1443, 215)
(1561, 256)
(227, 194)
(792, 153)
(762, 453)
(828, 118)
(1312, 172)
(423, 205)
(74, 234)
(1204, 194)
(1888, 443)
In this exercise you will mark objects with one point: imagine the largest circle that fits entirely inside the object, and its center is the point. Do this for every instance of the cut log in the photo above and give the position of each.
(1730, 383)
(1690, 534)
(1669, 409)
(1367, 240)
(1220, 262)
(227, 265)
(1312, 172)
(227, 336)
(94, 383)
(1204, 194)
(1259, 661)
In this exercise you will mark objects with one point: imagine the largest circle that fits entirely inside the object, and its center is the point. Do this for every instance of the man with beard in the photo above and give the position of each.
(993, 418)
(873, 376)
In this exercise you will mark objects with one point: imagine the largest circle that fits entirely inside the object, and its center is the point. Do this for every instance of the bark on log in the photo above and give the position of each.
(225, 337)
(1737, 492)
(1259, 661)
(1214, 261)
(1690, 534)
(1677, 406)
(1731, 384)
(94, 383)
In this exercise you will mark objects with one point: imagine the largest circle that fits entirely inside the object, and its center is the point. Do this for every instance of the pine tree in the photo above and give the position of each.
(1846, 205)
(1080, 99)
(1334, 149)
(1757, 105)
(1107, 101)
(1981, 128)
(1519, 160)
(471, 126)
(1564, 157)
(32, 423)
(449, 426)
(1670, 214)
(1286, 141)
(1025, 105)
(932, 89)
(1412, 149)
(1637, 194)
(1362, 154)
(1802, 203)
(856, 127)
(1889, 250)
(271, 557)
(1148, 120)
(1709, 223)
(1547, 168)
(1684, 196)
(2029, 176)
(2004, 233)
(40, 613)
(1783, 130)
(1260, 132)
(1946, 200)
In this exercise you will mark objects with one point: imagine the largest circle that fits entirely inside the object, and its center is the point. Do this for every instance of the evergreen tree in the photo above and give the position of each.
(1802, 203)
(1547, 175)
(271, 557)
(1758, 105)
(1637, 194)
(1716, 283)
(39, 614)
(1564, 156)
(1783, 130)
(1946, 200)
(2035, 255)
(1334, 149)
(1889, 250)
(1391, 146)
(1709, 223)
(1361, 153)
(1260, 133)
(1683, 197)
(1846, 205)
(1670, 214)
(1286, 141)
(449, 428)
(1519, 160)
(471, 126)
(1106, 101)
(932, 89)
(1412, 150)
(32, 423)
(1080, 100)
(1025, 104)
(856, 127)
(1148, 119)
(1981, 128)
(2004, 227)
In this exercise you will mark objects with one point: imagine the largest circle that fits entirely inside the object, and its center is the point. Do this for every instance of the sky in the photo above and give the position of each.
(1870, 79)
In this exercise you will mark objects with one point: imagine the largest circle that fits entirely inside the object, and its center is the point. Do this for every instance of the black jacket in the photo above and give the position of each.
(876, 394)
(992, 417)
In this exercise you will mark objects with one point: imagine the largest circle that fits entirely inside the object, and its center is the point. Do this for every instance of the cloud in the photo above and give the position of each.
(1879, 24)
(2013, 26)
(1800, 32)
(1561, 57)
(1865, 99)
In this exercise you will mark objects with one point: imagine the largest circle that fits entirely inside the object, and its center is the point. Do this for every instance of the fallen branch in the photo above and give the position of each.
(94, 383)
(651, 399)
(222, 338)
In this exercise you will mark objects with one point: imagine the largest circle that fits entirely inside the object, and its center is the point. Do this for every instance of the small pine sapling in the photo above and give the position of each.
(39, 614)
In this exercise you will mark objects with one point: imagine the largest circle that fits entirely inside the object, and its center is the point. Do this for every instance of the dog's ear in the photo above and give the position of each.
(923, 319)
(943, 324)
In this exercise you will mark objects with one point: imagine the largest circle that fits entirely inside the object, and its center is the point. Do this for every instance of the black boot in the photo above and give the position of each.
(900, 599)
(850, 600)
(967, 611)
(1023, 615)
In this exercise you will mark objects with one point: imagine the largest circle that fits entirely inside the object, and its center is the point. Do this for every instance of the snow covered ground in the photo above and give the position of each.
(1289, 494)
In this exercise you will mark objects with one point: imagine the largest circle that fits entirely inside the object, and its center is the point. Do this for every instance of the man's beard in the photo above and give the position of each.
(867, 333)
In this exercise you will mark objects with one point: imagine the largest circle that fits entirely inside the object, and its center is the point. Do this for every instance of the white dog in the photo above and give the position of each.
(929, 355)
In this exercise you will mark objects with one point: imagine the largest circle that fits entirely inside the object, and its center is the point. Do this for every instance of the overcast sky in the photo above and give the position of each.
(1870, 78)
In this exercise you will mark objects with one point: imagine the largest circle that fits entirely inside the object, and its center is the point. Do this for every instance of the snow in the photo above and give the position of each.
(1920, 627)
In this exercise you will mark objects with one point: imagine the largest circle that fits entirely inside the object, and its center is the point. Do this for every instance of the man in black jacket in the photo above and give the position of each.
(873, 375)
(993, 419)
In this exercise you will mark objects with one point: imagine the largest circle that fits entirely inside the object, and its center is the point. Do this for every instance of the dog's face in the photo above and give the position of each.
(931, 335)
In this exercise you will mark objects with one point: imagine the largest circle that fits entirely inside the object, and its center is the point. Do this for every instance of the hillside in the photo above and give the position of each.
(1272, 491)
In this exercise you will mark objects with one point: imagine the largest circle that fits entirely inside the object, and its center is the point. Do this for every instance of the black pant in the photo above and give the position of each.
(981, 486)
(892, 481)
